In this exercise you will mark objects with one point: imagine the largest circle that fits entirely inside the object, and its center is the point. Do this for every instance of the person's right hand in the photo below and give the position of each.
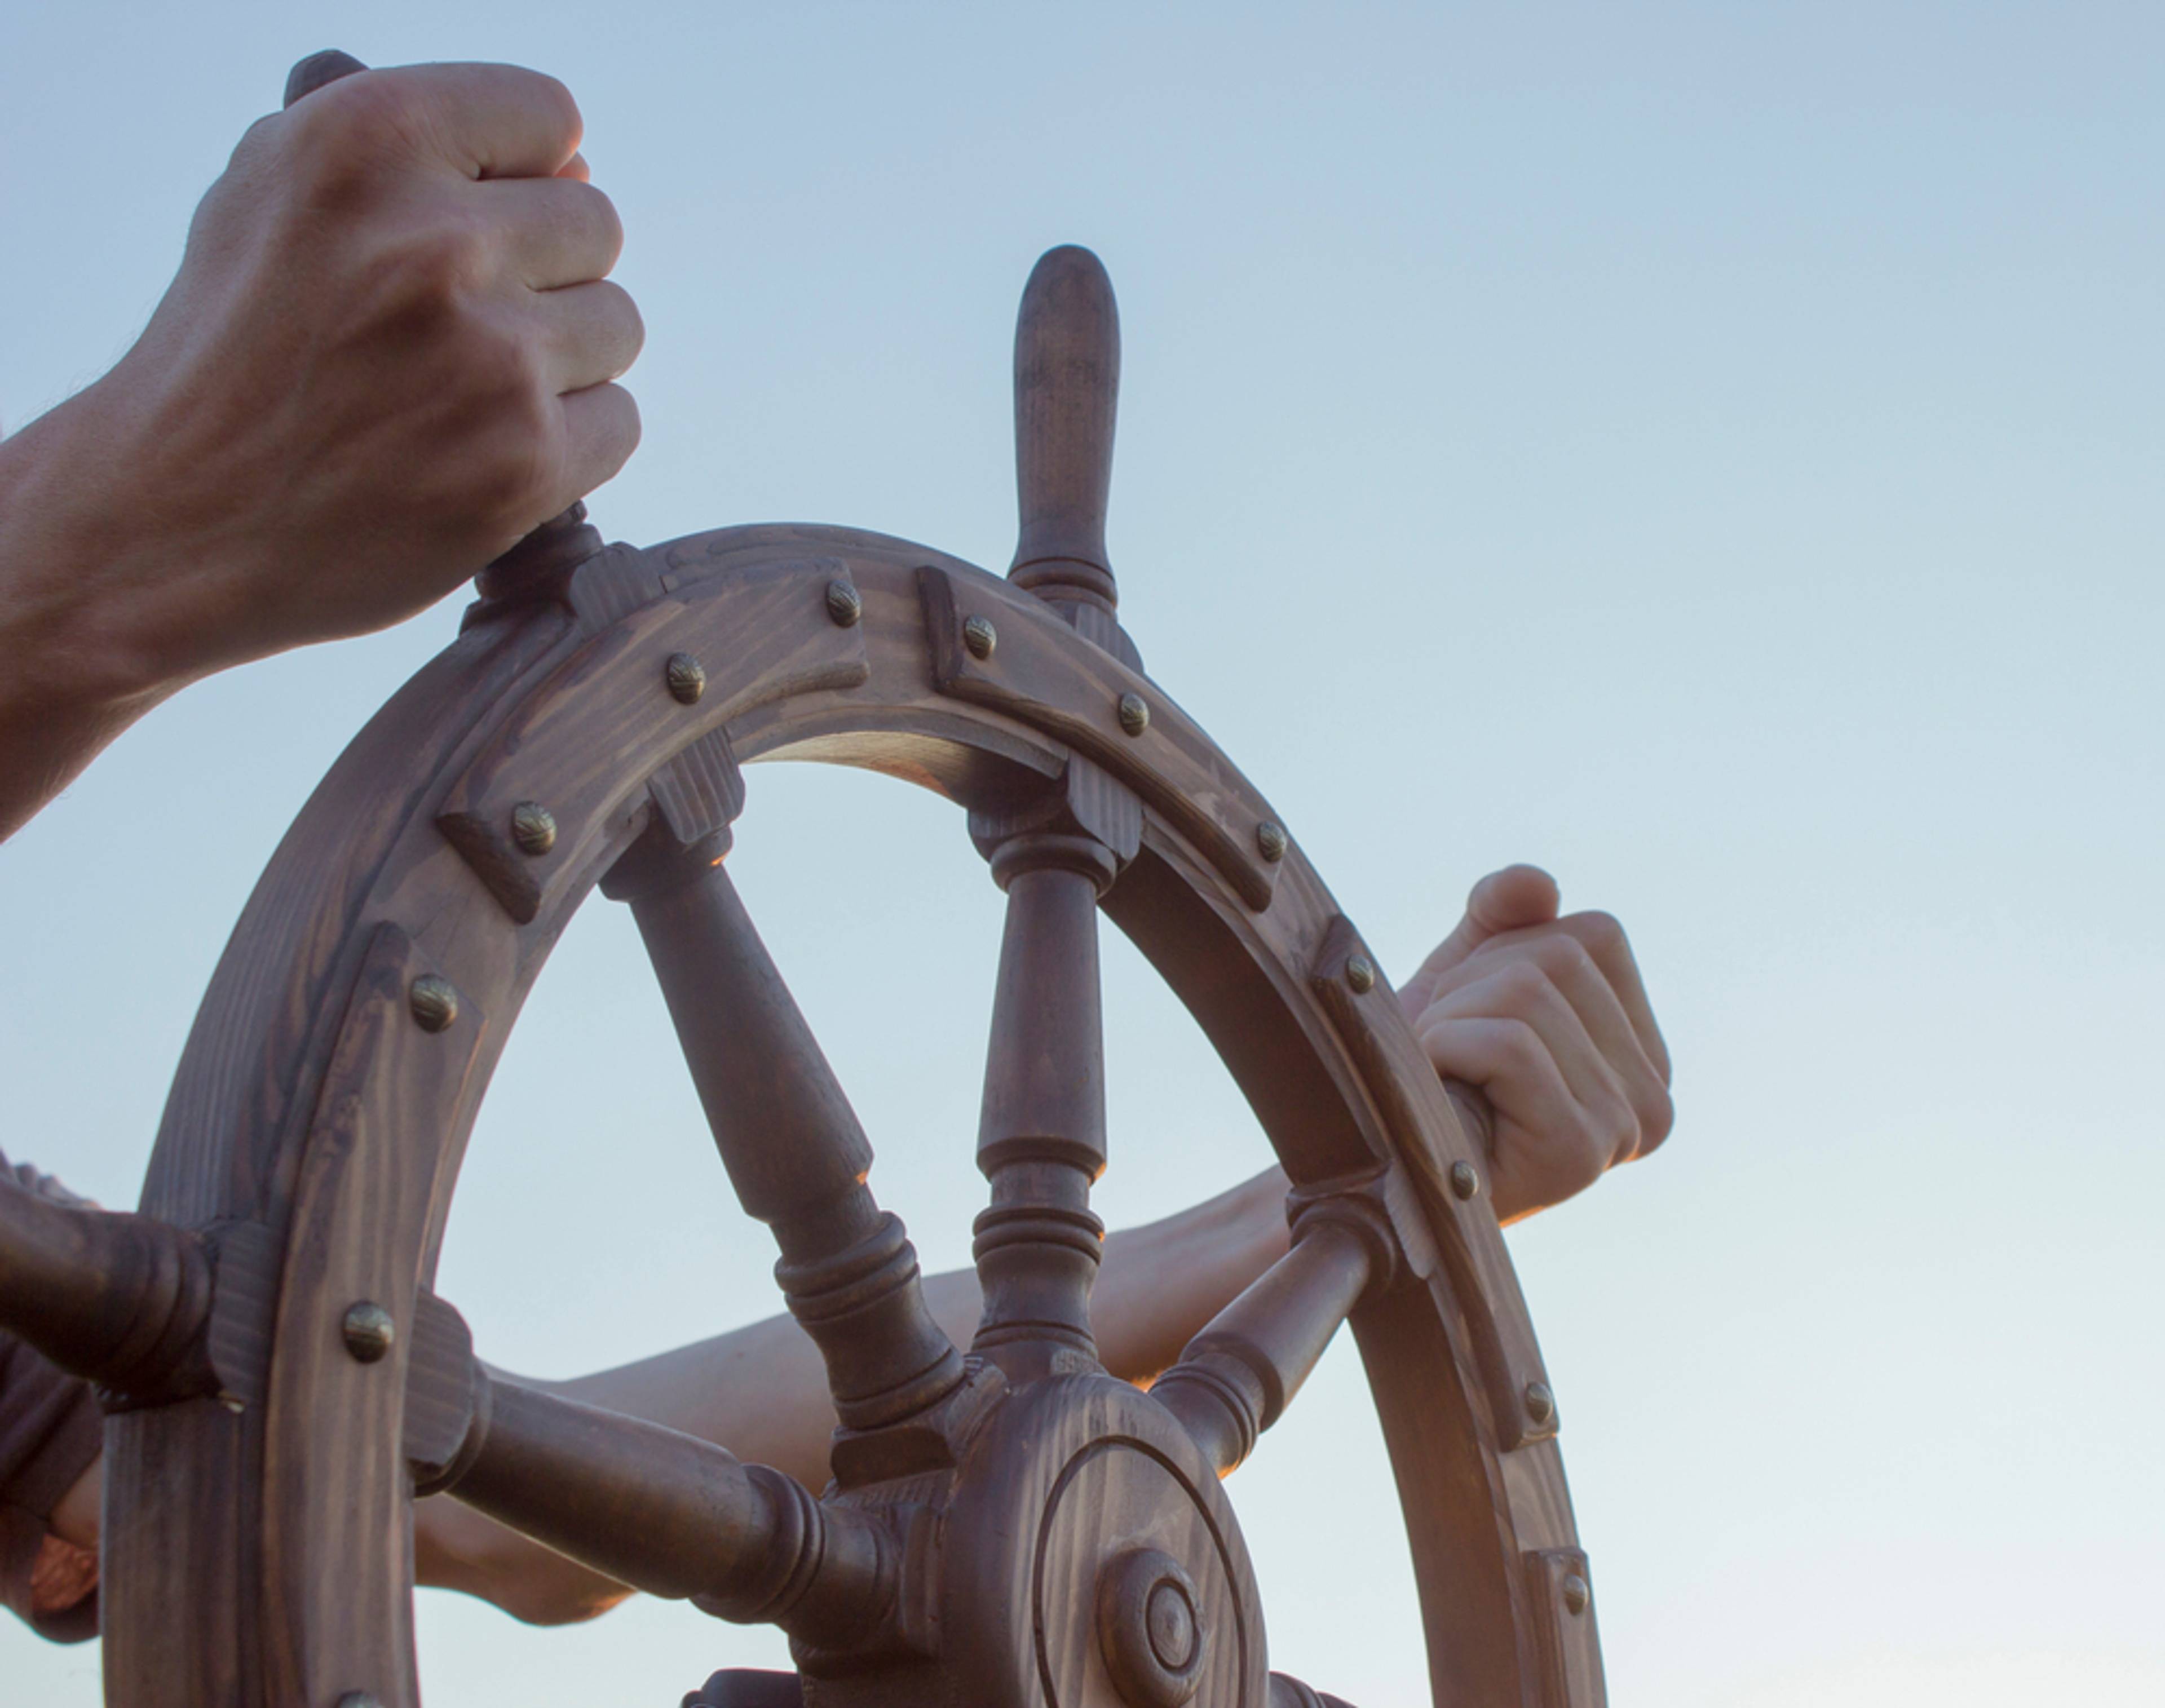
(1549, 1018)
(387, 356)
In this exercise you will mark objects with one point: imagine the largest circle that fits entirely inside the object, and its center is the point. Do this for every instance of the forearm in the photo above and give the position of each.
(762, 1391)
(74, 678)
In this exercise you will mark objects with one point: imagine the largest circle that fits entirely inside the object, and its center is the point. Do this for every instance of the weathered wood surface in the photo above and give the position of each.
(792, 1145)
(320, 1113)
(367, 851)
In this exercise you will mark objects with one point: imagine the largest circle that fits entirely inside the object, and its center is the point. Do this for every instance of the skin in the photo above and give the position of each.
(1545, 1016)
(390, 352)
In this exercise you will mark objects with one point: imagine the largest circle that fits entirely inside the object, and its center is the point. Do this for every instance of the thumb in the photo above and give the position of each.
(1505, 901)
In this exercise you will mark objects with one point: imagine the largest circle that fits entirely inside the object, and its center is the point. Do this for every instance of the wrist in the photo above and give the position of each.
(78, 647)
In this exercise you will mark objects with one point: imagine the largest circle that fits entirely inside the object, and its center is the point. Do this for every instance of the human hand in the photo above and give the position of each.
(388, 354)
(1548, 1018)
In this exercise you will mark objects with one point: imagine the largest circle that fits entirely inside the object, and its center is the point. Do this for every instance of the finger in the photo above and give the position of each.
(489, 121)
(575, 167)
(1569, 966)
(556, 231)
(1521, 991)
(1516, 897)
(590, 334)
(1508, 1060)
(1603, 938)
(601, 431)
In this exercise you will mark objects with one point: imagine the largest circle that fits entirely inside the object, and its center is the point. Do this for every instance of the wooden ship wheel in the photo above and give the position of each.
(1008, 1526)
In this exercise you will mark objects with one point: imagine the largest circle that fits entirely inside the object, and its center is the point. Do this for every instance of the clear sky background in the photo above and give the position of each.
(1712, 451)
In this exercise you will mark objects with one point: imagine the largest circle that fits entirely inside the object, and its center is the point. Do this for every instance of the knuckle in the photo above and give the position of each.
(1560, 954)
(440, 259)
(1522, 986)
(1593, 1142)
(608, 224)
(1598, 930)
(352, 119)
(554, 95)
(1612, 1122)
(1572, 1165)
(1657, 1120)
(513, 424)
(1522, 1049)
(620, 313)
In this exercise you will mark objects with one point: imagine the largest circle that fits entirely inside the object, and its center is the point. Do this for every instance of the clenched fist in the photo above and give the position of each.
(388, 354)
(1548, 1018)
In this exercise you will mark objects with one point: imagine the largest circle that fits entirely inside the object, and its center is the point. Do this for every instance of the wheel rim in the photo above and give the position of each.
(591, 721)
(315, 986)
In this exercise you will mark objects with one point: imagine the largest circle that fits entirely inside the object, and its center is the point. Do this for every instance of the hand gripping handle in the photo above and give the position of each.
(538, 562)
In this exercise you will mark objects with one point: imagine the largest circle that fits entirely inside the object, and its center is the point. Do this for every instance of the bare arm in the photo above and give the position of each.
(385, 356)
(1547, 1014)
(761, 1392)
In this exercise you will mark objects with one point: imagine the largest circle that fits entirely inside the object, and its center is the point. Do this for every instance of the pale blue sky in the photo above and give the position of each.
(1712, 451)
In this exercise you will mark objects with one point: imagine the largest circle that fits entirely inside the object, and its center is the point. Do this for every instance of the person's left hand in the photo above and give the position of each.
(1547, 1016)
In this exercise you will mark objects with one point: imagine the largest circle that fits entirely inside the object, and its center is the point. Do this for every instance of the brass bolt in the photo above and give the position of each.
(532, 828)
(979, 635)
(369, 1331)
(1540, 1404)
(687, 678)
(844, 604)
(1270, 842)
(1578, 1596)
(1134, 713)
(1465, 1180)
(432, 1001)
(1359, 974)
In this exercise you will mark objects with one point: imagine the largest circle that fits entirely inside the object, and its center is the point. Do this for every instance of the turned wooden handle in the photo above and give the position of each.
(1067, 386)
(312, 73)
(120, 1299)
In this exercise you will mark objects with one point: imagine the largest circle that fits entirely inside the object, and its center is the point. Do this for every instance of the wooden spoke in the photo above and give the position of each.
(1018, 1528)
(1041, 1137)
(661, 1512)
(1235, 1378)
(792, 1147)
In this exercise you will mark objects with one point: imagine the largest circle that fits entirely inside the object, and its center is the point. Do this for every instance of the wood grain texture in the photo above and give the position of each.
(1428, 1138)
(119, 1299)
(565, 747)
(1051, 1536)
(367, 854)
(1083, 1469)
(1036, 674)
(1561, 1590)
(1067, 393)
(1041, 1129)
(1235, 1379)
(338, 1595)
(184, 1483)
(793, 1146)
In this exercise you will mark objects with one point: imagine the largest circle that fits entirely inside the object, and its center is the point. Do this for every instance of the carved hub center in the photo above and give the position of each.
(1174, 1635)
(1138, 1589)
(1149, 1628)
